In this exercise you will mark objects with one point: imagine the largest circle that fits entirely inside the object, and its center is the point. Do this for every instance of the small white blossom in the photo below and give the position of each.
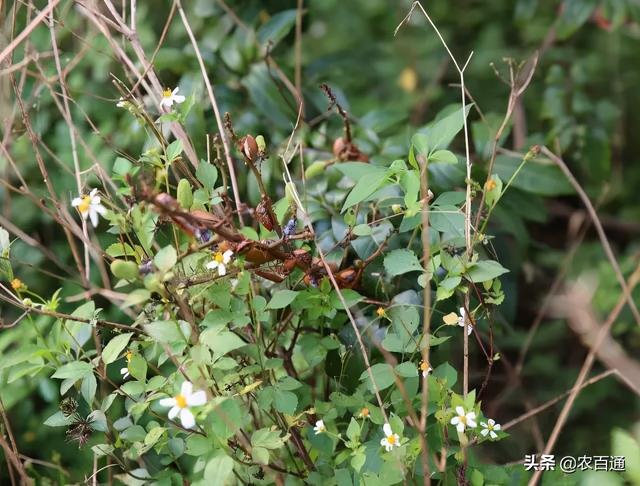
(319, 428)
(180, 404)
(89, 206)
(220, 262)
(425, 368)
(489, 428)
(390, 440)
(464, 419)
(462, 318)
(122, 103)
(124, 372)
(170, 97)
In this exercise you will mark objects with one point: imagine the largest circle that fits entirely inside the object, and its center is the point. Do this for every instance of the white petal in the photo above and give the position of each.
(222, 270)
(497, 427)
(168, 402)
(460, 410)
(212, 265)
(397, 441)
(460, 427)
(226, 256)
(93, 192)
(320, 424)
(471, 416)
(173, 413)
(100, 209)
(187, 419)
(455, 420)
(469, 329)
(471, 423)
(178, 98)
(490, 422)
(386, 428)
(124, 371)
(186, 389)
(493, 435)
(76, 201)
(197, 399)
(175, 91)
(94, 217)
(463, 313)
(484, 432)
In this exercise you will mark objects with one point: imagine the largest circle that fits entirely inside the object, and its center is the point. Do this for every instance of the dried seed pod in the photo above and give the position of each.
(302, 257)
(339, 146)
(249, 148)
(263, 215)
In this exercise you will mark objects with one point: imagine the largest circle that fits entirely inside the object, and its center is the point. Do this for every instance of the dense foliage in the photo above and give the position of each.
(324, 268)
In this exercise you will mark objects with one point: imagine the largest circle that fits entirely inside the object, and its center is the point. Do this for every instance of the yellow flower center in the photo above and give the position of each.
(463, 419)
(166, 93)
(84, 205)
(181, 401)
(391, 439)
(129, 356)
(219, 257)
(364, 412)
(490, 185)
(381, 312)
(424, 366)
(16, 283)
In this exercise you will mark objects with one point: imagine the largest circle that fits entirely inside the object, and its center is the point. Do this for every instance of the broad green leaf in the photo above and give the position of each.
(624, 444)
(207, 174)
(218, 470)
(401, 261)
(365, 187)
(221, 341)
(267, 438)
(73, 370)
(535, 176)
(285, 401)
(277, 27)
(88, 388)
(174, 150)
(281, 299)
(184, 193)
(114, 347)
(439, 134)
(58, 420)
(382, 374)
(485, 270)
(138, 367)
(124, 269)
(443, 157)
(166, 258)
(448, 220)
(164, 331)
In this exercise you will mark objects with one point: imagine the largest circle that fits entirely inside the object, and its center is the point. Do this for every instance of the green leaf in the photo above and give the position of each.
(58, 420)
(164, 331)
(88, 388)
(6, 272)
(166, 258)
(267, 438)
(382, 374)
(218, 470)
(439, 134)
(485, 270)
(353, 431)
(448, 220)
(260, 455)
(277, 27)
(401, 261)
(364, 188)
(535, 176)
(138, 367)
(74, 370)
(285, 401)
(443, 157)
(221, 341)
(153, 436)
(574, 14)
(362, 230)
(174, 150)
(207, 174)
(184, 194)
(281, 299)
(114, 347)
(124, 269)
(624, 444)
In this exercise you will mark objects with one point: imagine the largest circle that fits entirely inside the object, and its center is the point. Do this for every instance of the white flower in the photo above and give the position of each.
(89, 206)
(170, 97)
(464, 420)
(220, 260)
(121, 103)
(425, 367)
(124, 372)
(319, 428)
(180, 404)
(489, 428)
(462, 318)
(390, 440)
